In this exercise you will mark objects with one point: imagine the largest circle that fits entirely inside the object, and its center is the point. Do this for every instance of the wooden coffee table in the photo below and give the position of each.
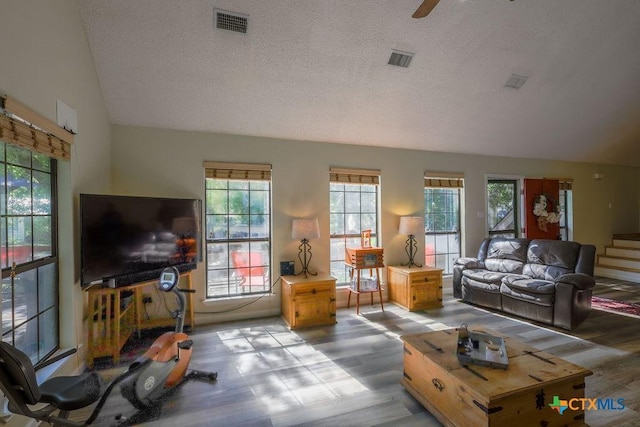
(473, 395)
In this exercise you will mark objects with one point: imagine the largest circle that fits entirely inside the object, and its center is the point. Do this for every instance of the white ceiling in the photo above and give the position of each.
(317, 70)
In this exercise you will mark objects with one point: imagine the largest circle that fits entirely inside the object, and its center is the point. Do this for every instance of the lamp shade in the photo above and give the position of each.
(411, 225)
(305, 229)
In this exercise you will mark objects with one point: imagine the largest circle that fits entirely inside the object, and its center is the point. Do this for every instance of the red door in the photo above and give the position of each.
(542, 208)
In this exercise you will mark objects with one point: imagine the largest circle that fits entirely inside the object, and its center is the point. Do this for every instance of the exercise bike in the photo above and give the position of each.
(164, 365)
(145, 383)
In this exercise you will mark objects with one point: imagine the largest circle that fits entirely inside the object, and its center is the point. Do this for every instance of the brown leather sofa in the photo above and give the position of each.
(548, 281)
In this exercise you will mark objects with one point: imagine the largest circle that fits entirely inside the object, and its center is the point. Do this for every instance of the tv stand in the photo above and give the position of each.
(150, 275)
(112, 318)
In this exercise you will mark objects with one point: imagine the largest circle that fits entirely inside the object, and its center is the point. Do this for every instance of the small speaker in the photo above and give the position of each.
(287, 268)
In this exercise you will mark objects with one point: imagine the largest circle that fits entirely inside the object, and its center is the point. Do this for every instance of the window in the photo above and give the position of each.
(238, 229)
(442, 197)
(502, 203)
(353, 205)
(29, 260)
(566, 211)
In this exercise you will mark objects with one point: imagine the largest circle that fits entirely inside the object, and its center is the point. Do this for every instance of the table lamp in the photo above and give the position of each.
(303, 230)
(411, 226)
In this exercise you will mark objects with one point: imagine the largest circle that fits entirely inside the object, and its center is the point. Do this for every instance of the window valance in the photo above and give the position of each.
(443, 180)
(565, 183)
(244, 171)
(354, 176)
(23, 127)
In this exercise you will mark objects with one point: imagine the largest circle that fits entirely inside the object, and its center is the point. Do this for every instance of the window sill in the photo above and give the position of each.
(211, 301)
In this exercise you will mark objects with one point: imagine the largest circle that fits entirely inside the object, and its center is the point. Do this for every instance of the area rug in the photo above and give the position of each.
(615, 306)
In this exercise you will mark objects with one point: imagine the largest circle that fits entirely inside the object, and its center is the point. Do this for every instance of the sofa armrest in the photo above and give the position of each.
(469, 263)
(573, 300)
(459, 266)
(579, 280)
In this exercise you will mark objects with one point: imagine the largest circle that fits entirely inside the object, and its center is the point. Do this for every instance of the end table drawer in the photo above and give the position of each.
(312, 289)
(434, 277)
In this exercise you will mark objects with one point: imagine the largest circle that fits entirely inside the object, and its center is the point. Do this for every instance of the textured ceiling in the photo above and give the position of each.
(317, 70)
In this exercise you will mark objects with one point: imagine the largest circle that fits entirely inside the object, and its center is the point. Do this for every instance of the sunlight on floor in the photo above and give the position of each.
(293, 373)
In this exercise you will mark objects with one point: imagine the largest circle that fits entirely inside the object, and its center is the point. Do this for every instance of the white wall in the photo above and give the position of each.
(45, 58)
(156, 162)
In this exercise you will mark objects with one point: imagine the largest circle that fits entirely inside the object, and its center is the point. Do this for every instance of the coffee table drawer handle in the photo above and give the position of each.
(437, 384)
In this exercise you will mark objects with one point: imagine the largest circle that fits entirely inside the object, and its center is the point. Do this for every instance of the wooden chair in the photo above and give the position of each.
(250, 270)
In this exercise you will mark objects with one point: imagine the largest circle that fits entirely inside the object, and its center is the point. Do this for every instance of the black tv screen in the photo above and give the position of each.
(130, 239)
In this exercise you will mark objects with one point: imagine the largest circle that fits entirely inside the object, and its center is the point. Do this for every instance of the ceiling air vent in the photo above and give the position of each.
(400, 59)
(515, 81)
(231, 21)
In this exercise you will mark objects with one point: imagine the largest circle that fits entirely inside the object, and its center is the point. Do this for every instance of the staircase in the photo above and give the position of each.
(621, 260)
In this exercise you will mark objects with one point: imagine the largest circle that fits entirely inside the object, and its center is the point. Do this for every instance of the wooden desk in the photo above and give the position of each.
(112, 319)
(359, 259)
(473, 395)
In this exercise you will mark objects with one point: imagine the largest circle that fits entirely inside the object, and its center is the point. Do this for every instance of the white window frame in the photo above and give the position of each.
(343, 238)
(238, 257)
(444, 181)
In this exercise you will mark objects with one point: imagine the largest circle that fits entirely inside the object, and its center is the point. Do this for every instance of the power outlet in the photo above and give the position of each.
(147, 299)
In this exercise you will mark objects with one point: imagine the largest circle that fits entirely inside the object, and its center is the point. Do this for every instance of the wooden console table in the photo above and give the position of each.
(359, 259)
(112, 319)
(460, 394)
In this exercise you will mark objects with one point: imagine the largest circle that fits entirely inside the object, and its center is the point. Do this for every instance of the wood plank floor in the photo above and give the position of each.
(348, 374)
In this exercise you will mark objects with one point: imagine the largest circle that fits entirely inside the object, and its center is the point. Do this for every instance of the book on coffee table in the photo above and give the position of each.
(481, 349)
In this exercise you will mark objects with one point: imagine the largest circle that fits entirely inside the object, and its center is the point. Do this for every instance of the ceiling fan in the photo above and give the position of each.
(425, 8)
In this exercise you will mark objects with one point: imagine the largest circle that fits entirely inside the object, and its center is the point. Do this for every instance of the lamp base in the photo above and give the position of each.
(306, 273)
(411, 249)
(304, 255)
(411, 264)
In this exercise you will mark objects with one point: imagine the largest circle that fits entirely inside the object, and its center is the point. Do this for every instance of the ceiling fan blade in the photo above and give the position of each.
(425, 8)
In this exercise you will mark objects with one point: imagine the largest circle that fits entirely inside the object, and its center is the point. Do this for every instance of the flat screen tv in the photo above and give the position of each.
(129, 239)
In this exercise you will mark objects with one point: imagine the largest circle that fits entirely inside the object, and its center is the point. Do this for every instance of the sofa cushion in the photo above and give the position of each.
(484, 294)
(484, 277)
(550, 259)
(503, 248)
(506, 255)
(535, 291)
(504, 265)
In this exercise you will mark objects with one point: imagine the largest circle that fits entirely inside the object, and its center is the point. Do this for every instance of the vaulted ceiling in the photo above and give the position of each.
(318, 70)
